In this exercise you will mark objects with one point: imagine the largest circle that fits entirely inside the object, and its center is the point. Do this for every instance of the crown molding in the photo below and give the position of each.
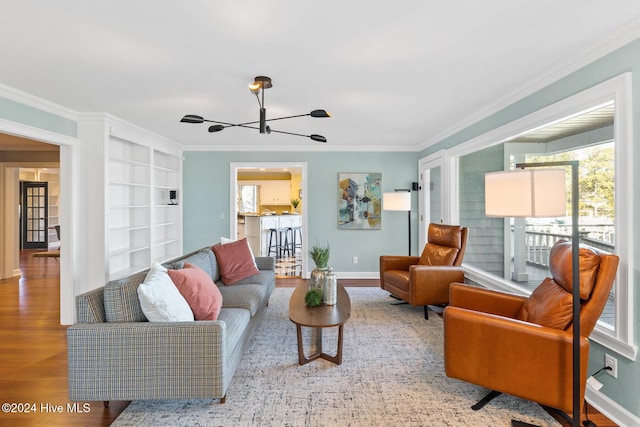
(25, 98)
(123, 129)
(37, 134)
(624, 35)
(310, 148)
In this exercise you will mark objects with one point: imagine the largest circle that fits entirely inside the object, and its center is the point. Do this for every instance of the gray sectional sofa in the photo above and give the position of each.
(114, 353)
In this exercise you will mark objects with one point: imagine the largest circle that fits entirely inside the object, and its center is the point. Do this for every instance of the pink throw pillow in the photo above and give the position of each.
(235, 261)
(202, 295)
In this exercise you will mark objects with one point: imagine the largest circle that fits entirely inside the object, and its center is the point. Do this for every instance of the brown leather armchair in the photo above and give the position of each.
(425, 280)
(523, 346)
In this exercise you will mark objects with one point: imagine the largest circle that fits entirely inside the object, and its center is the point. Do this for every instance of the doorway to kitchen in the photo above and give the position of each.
(268, 202)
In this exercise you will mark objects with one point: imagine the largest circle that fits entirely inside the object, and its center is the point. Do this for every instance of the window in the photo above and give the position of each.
(511, 254)
(247, 198)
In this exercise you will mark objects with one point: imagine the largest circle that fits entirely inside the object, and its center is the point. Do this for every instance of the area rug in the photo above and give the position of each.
(392, 373)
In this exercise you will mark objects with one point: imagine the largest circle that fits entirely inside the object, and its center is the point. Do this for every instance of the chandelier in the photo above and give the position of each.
(260, 84)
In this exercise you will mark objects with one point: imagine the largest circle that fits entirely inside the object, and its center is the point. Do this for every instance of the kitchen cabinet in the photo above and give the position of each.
(276, 192)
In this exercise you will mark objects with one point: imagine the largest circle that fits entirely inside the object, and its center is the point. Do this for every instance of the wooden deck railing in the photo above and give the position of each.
(539, 243)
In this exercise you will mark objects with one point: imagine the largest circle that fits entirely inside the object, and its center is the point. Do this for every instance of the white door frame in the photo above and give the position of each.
(233, 208)
(425, 164)
(67, 276)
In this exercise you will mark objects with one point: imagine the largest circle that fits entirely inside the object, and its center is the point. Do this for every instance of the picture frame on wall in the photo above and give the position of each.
(359, 201)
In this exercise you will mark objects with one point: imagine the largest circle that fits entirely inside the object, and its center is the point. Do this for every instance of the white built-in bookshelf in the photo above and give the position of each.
(166, 214)
(142, 224)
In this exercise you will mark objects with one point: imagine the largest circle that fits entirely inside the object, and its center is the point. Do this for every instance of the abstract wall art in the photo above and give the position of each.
(359, 201)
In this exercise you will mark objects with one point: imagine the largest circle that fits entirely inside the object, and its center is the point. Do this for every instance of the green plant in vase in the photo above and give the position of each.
(295, 203)
(320, 256)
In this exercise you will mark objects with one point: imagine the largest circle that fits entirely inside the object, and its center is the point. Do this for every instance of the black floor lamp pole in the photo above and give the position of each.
(575, 245)
(409, 212)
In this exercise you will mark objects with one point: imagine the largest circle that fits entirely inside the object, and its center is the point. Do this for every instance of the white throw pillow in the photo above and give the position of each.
(160, 299)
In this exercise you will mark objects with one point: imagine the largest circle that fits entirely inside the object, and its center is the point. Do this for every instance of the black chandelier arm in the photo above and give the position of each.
(227, 124)
(258, 99)
(219, 127)
(315, 137)
(288, 117)
(314, 113)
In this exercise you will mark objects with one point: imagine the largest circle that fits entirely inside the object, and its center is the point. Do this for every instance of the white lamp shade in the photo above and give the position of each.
(396, 201)
(525, 193)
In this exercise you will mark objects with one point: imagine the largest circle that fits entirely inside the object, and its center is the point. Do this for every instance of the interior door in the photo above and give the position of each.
(34, 220)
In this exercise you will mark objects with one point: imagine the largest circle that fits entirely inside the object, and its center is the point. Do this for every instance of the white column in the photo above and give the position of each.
(519, 273)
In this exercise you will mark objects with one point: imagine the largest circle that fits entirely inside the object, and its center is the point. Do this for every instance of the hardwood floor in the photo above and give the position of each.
(33, 351)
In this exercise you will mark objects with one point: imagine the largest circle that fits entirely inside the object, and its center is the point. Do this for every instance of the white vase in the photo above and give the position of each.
(330, 292)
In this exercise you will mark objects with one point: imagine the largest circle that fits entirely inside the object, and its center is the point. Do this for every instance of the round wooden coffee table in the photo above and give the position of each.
(322, 316)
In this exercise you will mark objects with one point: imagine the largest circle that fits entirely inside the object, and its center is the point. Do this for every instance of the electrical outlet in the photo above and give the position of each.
(355, 259)
(612, 362)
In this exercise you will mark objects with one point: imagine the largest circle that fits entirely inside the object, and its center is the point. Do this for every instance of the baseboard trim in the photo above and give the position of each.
(611, 409)
(358, 275)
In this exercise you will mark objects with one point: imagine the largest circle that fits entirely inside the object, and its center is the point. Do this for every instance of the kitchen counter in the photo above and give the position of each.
(257, 229)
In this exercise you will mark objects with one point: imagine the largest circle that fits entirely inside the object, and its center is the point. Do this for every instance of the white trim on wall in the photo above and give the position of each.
(233, 180)
(25, 98)
(425, 165)
(67, 280)
(611, 409)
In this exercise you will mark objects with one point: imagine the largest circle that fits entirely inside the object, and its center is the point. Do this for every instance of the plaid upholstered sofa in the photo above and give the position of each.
(114, 353)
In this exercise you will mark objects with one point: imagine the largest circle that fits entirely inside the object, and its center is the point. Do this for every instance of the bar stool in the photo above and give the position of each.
(274, 243)
(296, 239)
(278, 242)
(286, 246)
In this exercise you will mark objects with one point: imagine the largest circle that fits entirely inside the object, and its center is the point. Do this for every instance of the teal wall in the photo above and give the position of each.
(20, 113)
(206, 184)
(625, 390)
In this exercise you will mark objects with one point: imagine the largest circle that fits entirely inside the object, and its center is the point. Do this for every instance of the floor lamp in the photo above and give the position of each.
(533, 192)
(399, 200)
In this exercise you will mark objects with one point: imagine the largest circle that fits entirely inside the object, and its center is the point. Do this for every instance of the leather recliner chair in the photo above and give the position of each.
(524, 346)
(425, 280)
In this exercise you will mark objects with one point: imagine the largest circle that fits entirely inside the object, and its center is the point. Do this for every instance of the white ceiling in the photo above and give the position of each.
(393, 74)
